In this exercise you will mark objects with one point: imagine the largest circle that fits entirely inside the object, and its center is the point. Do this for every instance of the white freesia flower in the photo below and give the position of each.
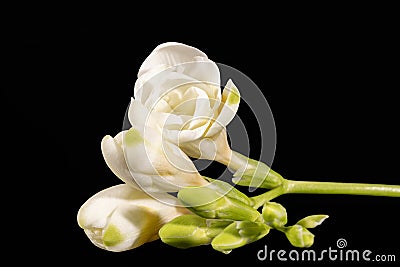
(178, 89)
(121, 217)
(178, 92)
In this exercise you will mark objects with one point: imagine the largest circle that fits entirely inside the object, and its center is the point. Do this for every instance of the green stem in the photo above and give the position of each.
(308, 187)
(305, 187)
(267, 196)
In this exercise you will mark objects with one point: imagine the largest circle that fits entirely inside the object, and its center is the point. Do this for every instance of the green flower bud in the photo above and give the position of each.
(274, 214)
(191, 230)
(209, 203)
(257, 174)
(312, 221)
(238, 234)
(226, 189)
(299, 236)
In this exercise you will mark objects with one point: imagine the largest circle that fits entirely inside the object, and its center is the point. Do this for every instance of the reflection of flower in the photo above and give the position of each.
(178, 89)
(122, 217)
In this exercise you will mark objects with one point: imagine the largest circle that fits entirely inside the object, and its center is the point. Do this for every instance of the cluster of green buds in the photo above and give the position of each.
(225, 218)
(275, 216)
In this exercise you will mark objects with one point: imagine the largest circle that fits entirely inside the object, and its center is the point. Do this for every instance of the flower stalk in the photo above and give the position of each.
(311, 187)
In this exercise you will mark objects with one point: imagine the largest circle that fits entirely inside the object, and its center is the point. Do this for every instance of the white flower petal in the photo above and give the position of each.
(115, 159)
(213, 148)
(191, 61)
(141, 117)
(205, 72)
(154, 89)
(94, 212)
(194, 134)
(169, 82)
(203, 112)
(154, 183)
(121, 217)
(141, 155)
(130, 226)
(141, 94)
(182, 163)
(170, 54)
(157, 164)
(137, 113)
(229, 106)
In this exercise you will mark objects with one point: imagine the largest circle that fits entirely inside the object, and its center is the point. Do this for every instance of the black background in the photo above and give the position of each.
(330, 81)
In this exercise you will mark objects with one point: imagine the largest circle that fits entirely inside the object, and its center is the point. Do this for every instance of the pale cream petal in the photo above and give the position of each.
(152, 89)
(137, 113)
(204, 72)
(141, 156)
(115, 159)
(187, 175)
(195, 62)
(95, 211)
(229, 106)
(170, 54)
(211, 148)
(157, 164)
(140, 116)
(190, 135)
(121, 217)
(203, 112)
(167, 83)
(154, 183)
(141, 94)
(174, 58)
(130, 226)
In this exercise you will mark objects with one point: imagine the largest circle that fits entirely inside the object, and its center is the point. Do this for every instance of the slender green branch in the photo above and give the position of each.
(267, 196)
(306, 187)
(309, 187)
